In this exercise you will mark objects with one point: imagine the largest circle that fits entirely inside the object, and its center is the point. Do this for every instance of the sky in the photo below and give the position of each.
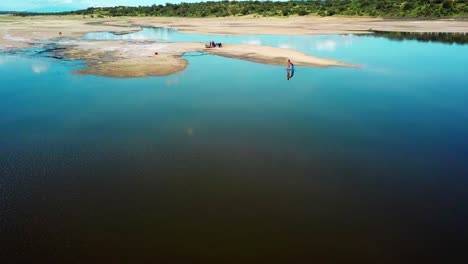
(66, 5)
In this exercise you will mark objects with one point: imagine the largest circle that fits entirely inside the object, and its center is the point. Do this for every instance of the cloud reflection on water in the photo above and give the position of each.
(327, 45)
(253, 42)
(39, 68)
(171, 81)
(285, 46)
(332, 43)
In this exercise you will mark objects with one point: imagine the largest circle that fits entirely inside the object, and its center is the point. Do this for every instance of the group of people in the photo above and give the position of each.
(212, 44)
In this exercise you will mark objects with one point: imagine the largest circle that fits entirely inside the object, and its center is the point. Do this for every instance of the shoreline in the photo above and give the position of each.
(130, 59)
(136, 59)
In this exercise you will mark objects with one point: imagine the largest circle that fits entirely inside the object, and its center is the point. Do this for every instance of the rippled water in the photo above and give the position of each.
(230, 162)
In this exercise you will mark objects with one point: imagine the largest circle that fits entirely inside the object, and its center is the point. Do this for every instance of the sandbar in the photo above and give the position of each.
(138, 59)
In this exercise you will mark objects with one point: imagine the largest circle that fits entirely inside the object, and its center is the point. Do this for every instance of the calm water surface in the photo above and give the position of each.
(230, 162)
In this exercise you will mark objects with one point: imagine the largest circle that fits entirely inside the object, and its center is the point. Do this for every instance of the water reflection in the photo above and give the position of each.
(443, 37)
(289, 73)
(161, 34)
(326, 45)
(289, 70)
(39, 68)
(302, 43)
(231, 168)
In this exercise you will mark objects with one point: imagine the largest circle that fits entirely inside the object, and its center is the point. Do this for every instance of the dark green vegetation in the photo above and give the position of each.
(374, 8)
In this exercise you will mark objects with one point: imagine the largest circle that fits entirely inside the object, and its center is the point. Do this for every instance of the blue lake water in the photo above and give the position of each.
(231, 162)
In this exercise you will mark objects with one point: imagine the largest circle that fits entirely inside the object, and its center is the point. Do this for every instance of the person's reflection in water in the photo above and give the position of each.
(290, 73)
(290, 70)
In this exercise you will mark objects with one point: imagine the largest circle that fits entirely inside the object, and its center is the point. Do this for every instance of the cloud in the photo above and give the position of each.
(326, 45)
(39, 68)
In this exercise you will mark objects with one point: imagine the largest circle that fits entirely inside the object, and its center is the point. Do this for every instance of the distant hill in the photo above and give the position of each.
(380, 8)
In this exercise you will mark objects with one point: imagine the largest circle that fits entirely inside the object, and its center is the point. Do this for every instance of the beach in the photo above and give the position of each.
(139, 59)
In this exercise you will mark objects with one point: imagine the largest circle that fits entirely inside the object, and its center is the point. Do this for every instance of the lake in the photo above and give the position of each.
(231, 161)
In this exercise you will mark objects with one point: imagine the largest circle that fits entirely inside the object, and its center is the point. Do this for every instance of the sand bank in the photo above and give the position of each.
(129, 58)
(25, 31)
(306, 25)
(19, 30)
(137, 59)
(273, 55)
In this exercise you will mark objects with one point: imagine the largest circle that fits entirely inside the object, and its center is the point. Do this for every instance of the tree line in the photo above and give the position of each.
(373, 8)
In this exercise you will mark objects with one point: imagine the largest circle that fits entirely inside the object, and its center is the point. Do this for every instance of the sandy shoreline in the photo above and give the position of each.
(137, 59)
(308, 25)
